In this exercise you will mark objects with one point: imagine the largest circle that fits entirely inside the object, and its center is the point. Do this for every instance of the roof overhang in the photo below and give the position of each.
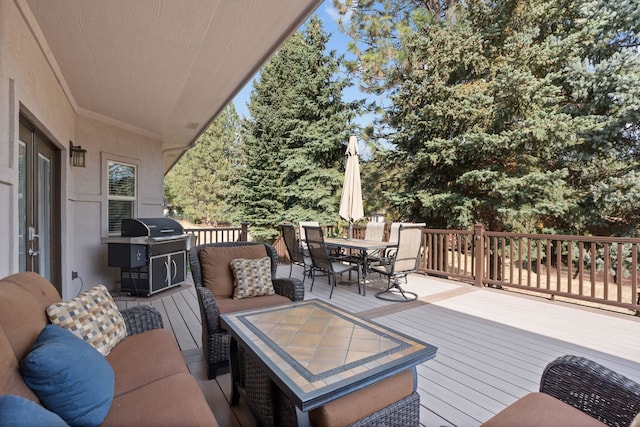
(162, 68)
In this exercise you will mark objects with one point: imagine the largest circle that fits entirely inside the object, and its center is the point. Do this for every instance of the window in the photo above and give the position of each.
(122, 194)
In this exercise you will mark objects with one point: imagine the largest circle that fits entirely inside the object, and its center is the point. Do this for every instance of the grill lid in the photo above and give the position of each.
(151, 227)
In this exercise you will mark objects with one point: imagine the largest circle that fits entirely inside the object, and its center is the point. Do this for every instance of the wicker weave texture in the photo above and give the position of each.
(404, 412)
(593, 389)
(141, 318)
(258, 390)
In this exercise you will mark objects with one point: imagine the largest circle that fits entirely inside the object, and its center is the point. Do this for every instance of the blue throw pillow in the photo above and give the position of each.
(18, 411)
(69, 376)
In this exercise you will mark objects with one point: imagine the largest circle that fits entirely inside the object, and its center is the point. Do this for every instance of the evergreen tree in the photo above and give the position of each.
(296, 136)
(200, 186)
(521, 115)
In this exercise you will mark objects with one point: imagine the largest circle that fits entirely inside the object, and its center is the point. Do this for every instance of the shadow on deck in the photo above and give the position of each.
(492, 345)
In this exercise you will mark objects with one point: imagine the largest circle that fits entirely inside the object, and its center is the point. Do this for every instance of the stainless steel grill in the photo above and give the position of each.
(151, 255)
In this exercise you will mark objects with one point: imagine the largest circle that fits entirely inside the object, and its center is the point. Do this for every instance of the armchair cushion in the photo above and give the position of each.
(541, 410)
(215, 265)
(230, 305)
(92, 316)
(251, 277)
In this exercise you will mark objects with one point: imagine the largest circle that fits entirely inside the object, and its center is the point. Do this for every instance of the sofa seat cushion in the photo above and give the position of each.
(130, 359)
(230, 305)
(357, 405)
(541, 410)
(172, 401)
(215, 263)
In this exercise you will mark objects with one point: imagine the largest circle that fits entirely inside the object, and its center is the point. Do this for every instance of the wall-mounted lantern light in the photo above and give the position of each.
(77, 154)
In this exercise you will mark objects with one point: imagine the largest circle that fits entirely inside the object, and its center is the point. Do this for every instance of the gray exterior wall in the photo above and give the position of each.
(28, 85)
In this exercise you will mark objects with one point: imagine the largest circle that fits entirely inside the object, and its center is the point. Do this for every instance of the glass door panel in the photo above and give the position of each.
(22, 207)
(38, 183)
(44, 215)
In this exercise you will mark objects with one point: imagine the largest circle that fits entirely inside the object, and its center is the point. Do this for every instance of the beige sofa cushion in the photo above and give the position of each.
(24, 298)
(172, 401)
(130, 360)
(10, 379)
(352, 407)
(541, 410)
(215, 263)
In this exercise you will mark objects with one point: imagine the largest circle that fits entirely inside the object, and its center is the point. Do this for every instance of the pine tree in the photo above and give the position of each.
(200, 186)
(521, 115)
(296, 136)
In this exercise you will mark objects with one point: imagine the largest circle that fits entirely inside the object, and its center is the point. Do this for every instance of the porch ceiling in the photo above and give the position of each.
(163, 68)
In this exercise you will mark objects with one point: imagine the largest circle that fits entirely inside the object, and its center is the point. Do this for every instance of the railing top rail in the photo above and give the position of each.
(564, 237)
(212, 229)
(446, 231)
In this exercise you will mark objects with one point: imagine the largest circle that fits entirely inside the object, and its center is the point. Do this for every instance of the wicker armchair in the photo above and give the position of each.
(215, 340)
(595, 390)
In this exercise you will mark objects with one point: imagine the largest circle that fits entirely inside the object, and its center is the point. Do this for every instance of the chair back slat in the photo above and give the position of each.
(393, 232)
(317, 249)
(409, 245)
(302, 225)
(374, 231)
(291, 242)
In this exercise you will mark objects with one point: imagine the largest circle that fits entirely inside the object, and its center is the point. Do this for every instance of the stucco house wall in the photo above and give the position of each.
(28, 85)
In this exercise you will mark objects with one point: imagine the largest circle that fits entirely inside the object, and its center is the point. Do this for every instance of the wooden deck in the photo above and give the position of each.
(492, 344)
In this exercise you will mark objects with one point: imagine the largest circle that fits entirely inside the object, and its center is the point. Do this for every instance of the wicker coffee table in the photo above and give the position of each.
(289, 359)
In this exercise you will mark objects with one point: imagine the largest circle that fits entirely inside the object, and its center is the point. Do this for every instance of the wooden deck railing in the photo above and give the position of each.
(219, 234)
(602, 270)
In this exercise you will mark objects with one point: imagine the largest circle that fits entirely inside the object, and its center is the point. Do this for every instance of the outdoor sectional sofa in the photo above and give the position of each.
(150, 383)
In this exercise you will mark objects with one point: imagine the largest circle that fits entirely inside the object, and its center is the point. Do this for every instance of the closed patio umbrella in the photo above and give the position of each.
(351, 201)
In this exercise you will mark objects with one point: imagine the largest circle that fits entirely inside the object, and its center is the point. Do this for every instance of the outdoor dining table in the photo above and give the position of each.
(308, 353)
(362, 246)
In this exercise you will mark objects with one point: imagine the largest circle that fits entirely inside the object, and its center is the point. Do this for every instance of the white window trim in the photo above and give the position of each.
(127, 161)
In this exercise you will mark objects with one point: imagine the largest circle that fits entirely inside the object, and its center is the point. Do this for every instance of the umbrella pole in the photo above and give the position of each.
(350, 230)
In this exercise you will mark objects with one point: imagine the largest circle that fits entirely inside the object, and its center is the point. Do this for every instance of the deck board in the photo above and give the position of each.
(492, 345)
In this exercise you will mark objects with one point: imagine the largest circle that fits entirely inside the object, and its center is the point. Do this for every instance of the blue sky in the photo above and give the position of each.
(338, 41)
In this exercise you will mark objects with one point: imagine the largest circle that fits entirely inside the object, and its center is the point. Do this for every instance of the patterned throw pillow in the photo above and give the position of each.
(251, 277)
(92, 316)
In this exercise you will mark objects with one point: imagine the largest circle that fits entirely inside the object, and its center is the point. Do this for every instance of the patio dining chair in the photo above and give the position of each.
(301, 227)
(296, 255)
(401, 263)
(374, 231)
(322, 261)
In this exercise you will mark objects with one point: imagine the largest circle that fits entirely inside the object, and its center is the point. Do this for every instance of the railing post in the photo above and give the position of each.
(478, 239)
(244, 234)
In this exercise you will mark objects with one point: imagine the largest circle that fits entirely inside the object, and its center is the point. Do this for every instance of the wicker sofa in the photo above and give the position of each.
(214, 285)
(575, 391)
(152, 385)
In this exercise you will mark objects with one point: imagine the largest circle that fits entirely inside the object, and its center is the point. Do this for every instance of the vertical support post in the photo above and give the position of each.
(478, 238)
(244, 234)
